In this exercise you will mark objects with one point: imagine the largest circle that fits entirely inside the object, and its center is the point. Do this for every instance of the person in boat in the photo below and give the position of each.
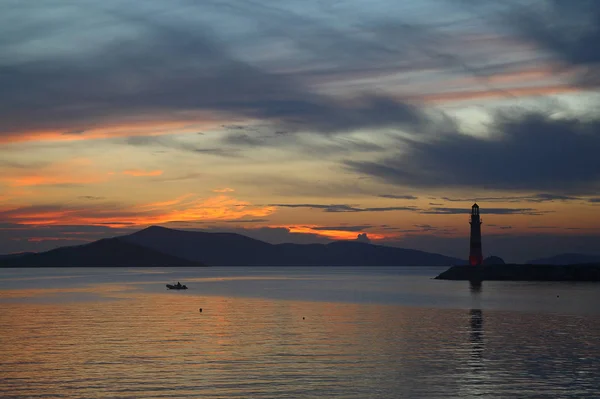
(178, 284)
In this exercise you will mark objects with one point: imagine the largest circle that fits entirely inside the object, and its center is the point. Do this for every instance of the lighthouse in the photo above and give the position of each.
(475, 254)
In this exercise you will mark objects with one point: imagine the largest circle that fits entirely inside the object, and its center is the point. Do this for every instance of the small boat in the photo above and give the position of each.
(177, 287)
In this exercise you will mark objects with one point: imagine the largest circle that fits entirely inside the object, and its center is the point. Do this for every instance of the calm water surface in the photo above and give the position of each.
(293, 333)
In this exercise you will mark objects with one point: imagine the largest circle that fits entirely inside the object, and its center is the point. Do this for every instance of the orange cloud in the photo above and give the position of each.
(164, 204)
(140, 172)
(74, 171)
(115, 129)
(185, 208)
(223, 190)
(333, 234)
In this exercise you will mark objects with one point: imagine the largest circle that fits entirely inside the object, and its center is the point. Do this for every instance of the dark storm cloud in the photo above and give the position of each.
(346, 208)
(531, 151)
(165, 63)
(568, 29)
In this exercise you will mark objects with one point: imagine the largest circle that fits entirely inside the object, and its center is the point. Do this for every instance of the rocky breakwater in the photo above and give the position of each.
(524, 272)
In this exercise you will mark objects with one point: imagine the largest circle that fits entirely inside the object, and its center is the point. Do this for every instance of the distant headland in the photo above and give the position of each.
(162, 247)
(576, 267)
(525, 272)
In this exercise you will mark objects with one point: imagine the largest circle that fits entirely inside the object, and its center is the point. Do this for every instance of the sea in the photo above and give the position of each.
(283, 332)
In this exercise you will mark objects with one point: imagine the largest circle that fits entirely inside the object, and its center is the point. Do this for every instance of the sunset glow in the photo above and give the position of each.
(301, 123)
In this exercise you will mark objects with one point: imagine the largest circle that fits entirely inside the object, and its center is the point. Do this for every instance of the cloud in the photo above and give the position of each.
(175, 144)
(569, 30)
(184, 208)
(529, 151)
(140, 172)
(344, 228)
(392, 196)
(363, 238)
(223, 190)
(346, 208)
(471, 95)
(542, 197)
(565, 30)
(146, 63)
(69, 173)
(90, 197)
(434, 210)
(306, 145)
(185, 176)
(487, 211)
(247, 221)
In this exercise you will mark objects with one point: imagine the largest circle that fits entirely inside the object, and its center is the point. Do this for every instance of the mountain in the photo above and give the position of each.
(566, 259)
(229, 249)
(493, 260)
(17, 255)
(105, 252)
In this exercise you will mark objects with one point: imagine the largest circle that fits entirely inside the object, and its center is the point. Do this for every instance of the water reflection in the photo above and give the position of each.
(157, 344)
(475, 286)
(476, 326)
(476, 336)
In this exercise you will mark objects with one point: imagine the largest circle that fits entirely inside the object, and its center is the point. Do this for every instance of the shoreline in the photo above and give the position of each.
(588, 272)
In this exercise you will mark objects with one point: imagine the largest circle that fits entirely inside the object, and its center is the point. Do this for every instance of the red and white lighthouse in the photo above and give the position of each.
(475, 254)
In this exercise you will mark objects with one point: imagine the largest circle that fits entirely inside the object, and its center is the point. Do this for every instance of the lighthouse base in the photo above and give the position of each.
(475, 260)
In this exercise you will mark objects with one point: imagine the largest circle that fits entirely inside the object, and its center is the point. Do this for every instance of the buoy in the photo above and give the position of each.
(303, 318)
(200, 309)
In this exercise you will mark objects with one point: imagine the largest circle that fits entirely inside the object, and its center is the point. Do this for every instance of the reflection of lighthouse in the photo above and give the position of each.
(476, 335)
(475, 254)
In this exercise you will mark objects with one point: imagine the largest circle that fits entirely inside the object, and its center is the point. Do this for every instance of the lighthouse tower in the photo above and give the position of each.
(475, 254)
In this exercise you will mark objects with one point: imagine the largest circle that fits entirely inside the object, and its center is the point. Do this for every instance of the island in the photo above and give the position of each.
(523, 272)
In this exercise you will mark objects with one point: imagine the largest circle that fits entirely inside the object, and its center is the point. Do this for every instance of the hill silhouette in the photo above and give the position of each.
(493, 260)
(102, 253)
(229, 249)
(566, 259)
(15, 255)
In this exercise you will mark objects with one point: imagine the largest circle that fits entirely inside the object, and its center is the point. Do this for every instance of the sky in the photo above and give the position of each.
(302, 121)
